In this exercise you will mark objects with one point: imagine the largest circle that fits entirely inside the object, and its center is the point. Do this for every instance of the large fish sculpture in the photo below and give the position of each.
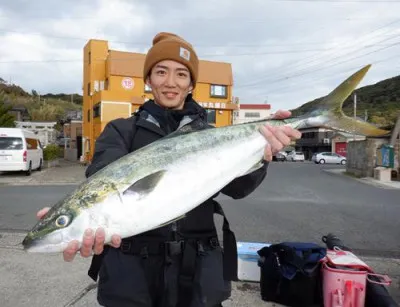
(161, 182)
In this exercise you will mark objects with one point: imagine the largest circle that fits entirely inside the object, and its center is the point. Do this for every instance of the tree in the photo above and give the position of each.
(6, 119)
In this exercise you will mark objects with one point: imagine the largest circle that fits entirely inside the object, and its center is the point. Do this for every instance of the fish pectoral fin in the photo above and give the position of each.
(254, 167)
(146, 184)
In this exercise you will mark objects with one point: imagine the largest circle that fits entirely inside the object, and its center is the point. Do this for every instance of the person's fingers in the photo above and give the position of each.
(268, 153)
(271, 139)
(281, 136)
(115, 241)
(292, 133)
(99, 241)
(70, 252)
(87, 243)
(281, 114)
(42, 212)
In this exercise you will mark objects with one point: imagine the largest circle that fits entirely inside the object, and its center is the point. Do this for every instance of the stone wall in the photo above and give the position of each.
(397, 158)
(361, 156)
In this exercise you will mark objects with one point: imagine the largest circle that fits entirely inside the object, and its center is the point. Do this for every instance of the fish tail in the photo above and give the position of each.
(331, 109)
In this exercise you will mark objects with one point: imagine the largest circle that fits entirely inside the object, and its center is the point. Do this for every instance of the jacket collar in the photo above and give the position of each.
(148, 121)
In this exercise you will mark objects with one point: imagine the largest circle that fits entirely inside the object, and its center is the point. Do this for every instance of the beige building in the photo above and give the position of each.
(251, 112)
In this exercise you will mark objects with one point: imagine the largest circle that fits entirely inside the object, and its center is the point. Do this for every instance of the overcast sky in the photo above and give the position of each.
(284, 52)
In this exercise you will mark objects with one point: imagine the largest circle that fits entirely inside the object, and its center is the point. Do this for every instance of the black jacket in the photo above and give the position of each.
(124, 135)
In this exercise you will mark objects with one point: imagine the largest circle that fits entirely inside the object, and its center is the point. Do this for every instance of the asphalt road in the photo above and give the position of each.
(297, 201)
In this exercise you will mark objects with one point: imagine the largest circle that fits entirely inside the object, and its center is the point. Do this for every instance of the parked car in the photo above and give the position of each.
(20, 150)
(328, 157)
(280, 156)
(295, 156)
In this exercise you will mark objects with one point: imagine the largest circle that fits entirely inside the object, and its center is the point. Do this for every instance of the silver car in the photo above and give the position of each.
(329, 158)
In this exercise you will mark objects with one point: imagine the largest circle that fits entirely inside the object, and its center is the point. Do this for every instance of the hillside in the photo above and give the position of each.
(48, 107)
(377, 103)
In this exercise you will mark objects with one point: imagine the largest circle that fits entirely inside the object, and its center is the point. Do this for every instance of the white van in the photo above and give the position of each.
(20, 150)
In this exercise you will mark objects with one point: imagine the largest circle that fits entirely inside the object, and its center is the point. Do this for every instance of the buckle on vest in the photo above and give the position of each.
(214, 243)
(174, 248)
(125, 246)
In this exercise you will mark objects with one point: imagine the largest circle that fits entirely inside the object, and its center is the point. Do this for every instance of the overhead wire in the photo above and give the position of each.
(312, 59)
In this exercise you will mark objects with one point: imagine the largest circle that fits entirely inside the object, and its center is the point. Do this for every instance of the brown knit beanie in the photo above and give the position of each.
(168, 46)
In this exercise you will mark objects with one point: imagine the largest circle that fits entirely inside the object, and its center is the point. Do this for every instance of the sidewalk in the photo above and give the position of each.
(44, 280)
(66, 173)
(366, 180)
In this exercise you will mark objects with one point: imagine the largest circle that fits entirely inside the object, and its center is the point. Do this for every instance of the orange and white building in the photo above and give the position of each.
(113, 87)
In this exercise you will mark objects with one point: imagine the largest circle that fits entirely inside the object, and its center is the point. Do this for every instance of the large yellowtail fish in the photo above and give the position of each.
(162, 181)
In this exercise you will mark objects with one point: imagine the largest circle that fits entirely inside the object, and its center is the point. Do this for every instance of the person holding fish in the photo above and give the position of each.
(181, 263)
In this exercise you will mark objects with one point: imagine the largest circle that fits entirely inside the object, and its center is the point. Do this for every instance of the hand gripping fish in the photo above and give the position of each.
(161, 182)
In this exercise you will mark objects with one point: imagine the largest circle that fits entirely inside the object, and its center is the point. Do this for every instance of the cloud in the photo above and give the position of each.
(283, 52)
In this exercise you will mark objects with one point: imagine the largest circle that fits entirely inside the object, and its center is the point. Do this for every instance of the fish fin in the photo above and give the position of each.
(333, 102)
(330, 108)
(254, 167)
(355, 126)
(146, 184)
(189, 128)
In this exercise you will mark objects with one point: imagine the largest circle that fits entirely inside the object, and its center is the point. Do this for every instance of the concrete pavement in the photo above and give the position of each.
(66, 173)
(46, 280)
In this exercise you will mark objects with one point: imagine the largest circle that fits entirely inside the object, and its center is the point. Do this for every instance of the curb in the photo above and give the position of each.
(365, 180)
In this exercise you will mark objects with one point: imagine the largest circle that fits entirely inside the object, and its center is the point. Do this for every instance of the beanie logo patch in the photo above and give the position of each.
(184, 53)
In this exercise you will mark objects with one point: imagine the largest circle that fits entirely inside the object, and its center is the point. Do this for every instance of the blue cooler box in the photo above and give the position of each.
(248, 269)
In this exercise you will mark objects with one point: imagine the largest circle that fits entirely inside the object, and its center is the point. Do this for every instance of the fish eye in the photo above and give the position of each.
(62, 221)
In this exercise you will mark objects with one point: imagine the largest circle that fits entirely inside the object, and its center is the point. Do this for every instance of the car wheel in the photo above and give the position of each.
(343, 162)
(322, 161)
(29, 171)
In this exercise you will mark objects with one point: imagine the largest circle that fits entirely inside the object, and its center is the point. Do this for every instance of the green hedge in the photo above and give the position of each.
(51, 152)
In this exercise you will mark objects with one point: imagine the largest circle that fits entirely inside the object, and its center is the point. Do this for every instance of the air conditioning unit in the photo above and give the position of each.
(326, 141)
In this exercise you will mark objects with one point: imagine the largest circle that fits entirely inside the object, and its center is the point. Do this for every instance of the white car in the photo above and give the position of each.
(295, 156)
(329, 158)
(20, 150)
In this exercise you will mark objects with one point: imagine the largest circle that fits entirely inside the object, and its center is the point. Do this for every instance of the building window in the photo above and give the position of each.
(88, 88)
(106, 84)
(218, 91)
(97, 110)
(211, 119)
(252, 114)
(89, 57)
(147, 89)
(88, 115)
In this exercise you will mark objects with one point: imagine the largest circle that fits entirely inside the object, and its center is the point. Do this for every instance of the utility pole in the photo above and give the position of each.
(355, 115)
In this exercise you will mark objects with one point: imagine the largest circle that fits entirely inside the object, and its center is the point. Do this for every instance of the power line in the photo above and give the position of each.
(149, 43)
(325, 67)
(323, 56)
(200, 19)
(340, 1)
(297, 85)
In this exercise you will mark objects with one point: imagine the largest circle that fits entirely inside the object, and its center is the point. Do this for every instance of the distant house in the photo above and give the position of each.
(320, 139)
(74, 115)
(20, 112)
(45, 130)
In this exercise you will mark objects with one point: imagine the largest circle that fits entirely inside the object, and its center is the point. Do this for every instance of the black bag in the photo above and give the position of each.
(291, 273)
